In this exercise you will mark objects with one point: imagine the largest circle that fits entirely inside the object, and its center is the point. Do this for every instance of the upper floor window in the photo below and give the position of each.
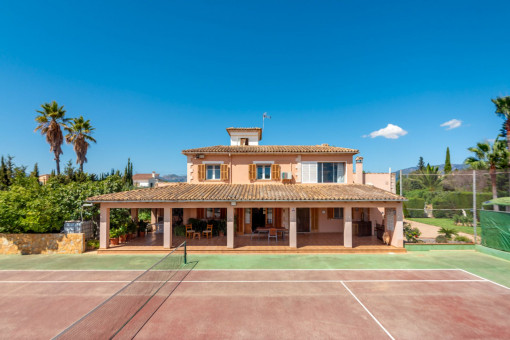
(263, 171)
(244, 141)
(330, 172)
(214, 171)
(323, 172)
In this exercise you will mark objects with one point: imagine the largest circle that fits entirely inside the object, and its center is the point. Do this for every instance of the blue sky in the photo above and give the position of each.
(155, 77)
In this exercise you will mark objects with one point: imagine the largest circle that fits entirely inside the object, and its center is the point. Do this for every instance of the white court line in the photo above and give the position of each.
(219, 270)
(237, 281)
(366, 309)
(487, 280)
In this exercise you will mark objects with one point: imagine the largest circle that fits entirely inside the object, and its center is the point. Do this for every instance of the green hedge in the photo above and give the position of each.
(456, 200)
(414, 203)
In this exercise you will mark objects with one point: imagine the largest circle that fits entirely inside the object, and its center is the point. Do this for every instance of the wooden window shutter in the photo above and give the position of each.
(201, 172)
(224, 172)
(252, 172)
(275, 172)
(223, 213)
(200, 213)
(331, 213)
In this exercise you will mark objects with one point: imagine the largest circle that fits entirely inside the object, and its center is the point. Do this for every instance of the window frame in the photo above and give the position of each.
(216, 168)
(266, 168)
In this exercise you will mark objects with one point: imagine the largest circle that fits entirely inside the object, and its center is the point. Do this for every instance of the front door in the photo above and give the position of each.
(258, 218)
(303, 220)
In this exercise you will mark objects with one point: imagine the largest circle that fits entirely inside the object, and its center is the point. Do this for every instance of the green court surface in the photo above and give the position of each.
(487, 266)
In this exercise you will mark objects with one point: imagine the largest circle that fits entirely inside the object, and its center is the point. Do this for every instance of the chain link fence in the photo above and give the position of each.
(454, 199)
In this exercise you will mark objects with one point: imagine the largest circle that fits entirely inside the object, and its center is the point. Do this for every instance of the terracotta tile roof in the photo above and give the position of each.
(252, 192)
(138, 177)
(250, 149)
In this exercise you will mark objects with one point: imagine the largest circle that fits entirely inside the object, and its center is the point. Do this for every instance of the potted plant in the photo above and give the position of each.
(131, 228)
(114, 237)
(122, 234)
(222, 228)
(142, 227)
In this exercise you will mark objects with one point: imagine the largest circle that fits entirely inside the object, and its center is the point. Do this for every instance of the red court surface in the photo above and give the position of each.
(284, 304)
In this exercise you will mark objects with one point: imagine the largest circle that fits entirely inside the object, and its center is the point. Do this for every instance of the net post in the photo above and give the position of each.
(185, 254)
(474, 205)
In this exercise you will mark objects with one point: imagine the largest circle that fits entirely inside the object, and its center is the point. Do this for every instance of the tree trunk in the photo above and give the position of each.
(57, 160)
(81, 167)
(492, 173)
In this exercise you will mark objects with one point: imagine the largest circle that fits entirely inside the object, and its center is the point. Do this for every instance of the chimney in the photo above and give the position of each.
(154, 174)
(359, 178)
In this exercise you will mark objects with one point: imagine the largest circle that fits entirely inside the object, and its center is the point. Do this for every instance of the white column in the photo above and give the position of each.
(348, 227)
(292, 227)
(230, 227)
(104, 227)
(398, 234)
(167, 227)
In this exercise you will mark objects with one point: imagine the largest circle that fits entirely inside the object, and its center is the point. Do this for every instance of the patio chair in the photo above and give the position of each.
(208, 232)
(272, 234)
(189, 230)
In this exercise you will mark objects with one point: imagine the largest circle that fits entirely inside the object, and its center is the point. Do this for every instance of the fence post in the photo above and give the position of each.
(400, 182)
(474, 205)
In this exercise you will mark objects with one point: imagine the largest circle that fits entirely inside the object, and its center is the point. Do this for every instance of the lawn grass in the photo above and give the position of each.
(446, 223)
(487, 266)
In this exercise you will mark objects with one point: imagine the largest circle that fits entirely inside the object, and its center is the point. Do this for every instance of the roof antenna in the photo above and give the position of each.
(264, 116)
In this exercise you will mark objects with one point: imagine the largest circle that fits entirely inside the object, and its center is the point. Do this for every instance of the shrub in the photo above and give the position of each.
(448, 232)
(411, 234)
(463, 239)
(411, 205)
(93, 244)
(441, 239)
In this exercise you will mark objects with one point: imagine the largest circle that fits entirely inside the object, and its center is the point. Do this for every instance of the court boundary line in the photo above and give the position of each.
(229, 269)
(250, 281)
(369, 313)
(497, 284)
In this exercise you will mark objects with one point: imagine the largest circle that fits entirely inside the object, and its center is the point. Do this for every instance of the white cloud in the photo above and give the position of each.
(452, 124)
(391, 131)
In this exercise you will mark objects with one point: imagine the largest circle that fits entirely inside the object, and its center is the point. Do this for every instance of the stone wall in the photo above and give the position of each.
(27, 244)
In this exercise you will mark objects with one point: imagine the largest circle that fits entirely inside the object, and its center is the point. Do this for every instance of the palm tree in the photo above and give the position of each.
(429, 178)
(79, 134)
(503, 110)
(491, 157)
(50, 120)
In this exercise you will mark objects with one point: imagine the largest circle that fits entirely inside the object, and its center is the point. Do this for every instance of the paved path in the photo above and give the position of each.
(430, 231)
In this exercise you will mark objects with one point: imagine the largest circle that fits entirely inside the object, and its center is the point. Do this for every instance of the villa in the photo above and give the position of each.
(308, 192)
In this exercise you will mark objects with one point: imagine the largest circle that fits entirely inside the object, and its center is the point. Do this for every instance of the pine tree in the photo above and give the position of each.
(447, 164)
(421, 164)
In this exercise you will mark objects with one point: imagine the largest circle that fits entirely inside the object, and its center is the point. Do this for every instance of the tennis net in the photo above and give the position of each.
(124, 313)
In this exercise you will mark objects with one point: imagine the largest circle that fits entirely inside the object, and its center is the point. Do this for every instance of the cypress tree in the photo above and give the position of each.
(447, 164)
(35, 172)
(421, 164)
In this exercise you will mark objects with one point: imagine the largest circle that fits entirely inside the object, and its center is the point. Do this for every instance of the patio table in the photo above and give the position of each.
(281, 231)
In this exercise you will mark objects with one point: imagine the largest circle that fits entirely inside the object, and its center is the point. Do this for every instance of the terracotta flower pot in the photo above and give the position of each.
(142, 234)
(114, 241)
(122, 238)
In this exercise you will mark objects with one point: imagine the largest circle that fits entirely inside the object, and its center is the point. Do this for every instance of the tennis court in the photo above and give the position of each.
(259, 303)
